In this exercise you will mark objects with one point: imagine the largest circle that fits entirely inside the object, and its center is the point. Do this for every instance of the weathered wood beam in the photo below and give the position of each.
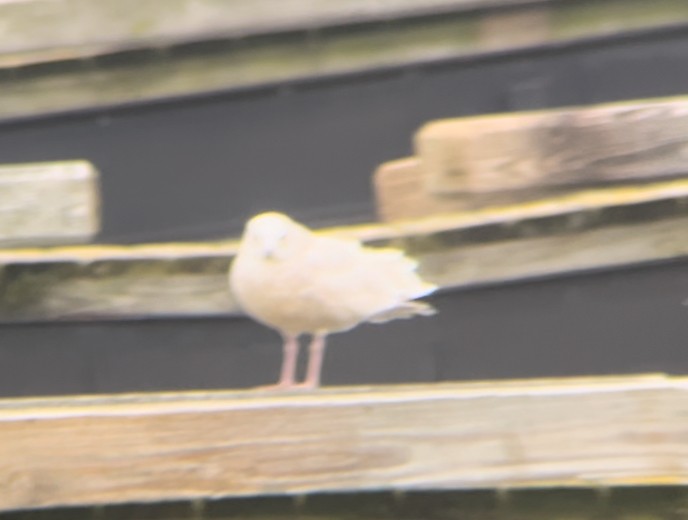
(401, 193)
(109, 282)
(594, 229)
(563, 147)
(48, 203)
(57, 29)
(233, 60)
(581, 432)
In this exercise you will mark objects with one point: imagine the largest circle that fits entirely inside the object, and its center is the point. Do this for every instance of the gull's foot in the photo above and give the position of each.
(277, 387)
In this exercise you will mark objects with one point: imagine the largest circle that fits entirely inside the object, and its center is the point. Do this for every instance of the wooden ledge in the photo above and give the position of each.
(59, 29)
(587, 230)
(578, 432)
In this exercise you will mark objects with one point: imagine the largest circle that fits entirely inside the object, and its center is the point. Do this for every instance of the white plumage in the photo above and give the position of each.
(298, 282)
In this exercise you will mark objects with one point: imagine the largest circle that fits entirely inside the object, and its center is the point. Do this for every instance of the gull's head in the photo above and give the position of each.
(271, 233)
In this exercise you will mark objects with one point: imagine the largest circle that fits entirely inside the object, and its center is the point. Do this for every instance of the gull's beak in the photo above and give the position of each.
(270, 246)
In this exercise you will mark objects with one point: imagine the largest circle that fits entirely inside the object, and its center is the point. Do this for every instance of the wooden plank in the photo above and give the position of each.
(581, 432)
(166, 66)
(38, 30)
(587, 230)
(115, 282)
(565, 147)
(401, 194)
(48, 203)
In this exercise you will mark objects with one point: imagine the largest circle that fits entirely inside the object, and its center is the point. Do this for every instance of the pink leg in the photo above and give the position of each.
(290, 355)
(287, 378)
(315, 361)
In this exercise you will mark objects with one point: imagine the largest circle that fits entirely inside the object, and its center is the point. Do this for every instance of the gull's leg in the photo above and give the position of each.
(315, 361)
(290, 354)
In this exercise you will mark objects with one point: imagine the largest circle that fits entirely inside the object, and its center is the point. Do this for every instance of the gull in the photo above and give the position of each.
(299, 282)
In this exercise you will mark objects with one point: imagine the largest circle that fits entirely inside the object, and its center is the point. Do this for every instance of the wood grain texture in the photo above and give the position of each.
(48, 203)
(38, 30)
(586, 230)
(136, 52)
(568, 147)
(584, 432)
(401, 194)
(108, 282)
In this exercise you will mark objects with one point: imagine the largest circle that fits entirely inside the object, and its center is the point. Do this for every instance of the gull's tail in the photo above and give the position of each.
(403, 311)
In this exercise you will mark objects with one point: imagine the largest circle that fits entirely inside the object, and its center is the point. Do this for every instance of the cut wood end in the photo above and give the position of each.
(399, 190)
(49, 203)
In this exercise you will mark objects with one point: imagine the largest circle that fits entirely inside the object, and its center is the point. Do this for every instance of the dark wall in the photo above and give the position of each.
(625, 321)
(196, 168)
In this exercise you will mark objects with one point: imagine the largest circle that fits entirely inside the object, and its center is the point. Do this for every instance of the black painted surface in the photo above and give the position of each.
(625, 321)
(196, 168)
